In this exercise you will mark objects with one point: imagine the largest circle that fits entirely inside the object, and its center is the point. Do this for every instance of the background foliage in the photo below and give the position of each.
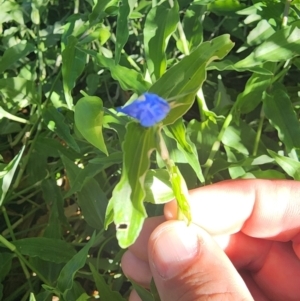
(71, 167)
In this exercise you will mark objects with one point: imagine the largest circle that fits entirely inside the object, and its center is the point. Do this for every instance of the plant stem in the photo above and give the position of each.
(258, 133)
(217, 144)
(24, 262)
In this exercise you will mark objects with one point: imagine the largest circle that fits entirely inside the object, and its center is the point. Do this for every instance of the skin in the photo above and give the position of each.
(243, 244)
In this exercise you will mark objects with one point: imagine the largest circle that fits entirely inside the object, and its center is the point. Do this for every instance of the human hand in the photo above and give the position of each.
(256, 223)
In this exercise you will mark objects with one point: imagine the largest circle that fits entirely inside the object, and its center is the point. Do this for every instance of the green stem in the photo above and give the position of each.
(286, 12)
(24, 262)
(259, 132)
(8, 224)
(217, 144)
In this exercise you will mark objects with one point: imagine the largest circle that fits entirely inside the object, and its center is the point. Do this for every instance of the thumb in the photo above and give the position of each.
(187, 264)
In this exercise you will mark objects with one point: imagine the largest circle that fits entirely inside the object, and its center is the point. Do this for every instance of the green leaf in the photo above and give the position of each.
(73, 62)
(181, 193)
(279, 110)
(203, 134)
(18, 91)
(107, 294)
(6, 261)
(260, 33)
(97, 13)
(183, 80)
(290, 166)
(177, 131)
(160, 23)
(54, 250)
(128, 79)
(7, 174)
(55, 122)
(250, 98)
(122, 32)
(67, 274)
(92, 201)
(158, 187)
(193, 28)
(53, 197)
(283, 45)
(143, 293)
(89, 119)
(128, 195)
(15, 53)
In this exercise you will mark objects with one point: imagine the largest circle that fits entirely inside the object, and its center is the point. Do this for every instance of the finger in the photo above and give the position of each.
(258, 208)
(134, 296)
(140, 247)
(187, 264)
(136, 269)
(273, 265)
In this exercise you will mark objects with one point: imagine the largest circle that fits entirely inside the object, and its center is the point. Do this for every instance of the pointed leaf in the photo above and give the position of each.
(122, 32)
(14, 54)
(73, 62)
(89, 119)
(54, 250)
(279, 110)
(183, 80)
(107, 294)
(160, 23)
(67, 274)
(6, 176)
(55, 122)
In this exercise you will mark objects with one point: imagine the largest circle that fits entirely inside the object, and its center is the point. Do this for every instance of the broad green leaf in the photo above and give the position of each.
(203, 135)
(225, 7)
(128, 195)
(79, 176)
(18, 92)
(15, 53)
(160, 23)
(128, 79)
(107, 294)
(250, 98)
(55, 122)
(53, 197)
(122, 31)
(232, 138)
(290, 166)
(230, 65)
(158, 187)
(92, 201)
(6, 175)
(89, 119)
(234, 171)
(177, 131)
(143, 293)
(54, 250)
(53, 148)
(6, 261)
(73, 62)
(283, 45)
(183, 80)
(97, 13)
(279, 110)
(193, 27)
(261, 32)
(67, 274)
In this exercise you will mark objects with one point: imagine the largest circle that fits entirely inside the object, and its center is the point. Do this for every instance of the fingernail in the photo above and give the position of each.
(174, 247)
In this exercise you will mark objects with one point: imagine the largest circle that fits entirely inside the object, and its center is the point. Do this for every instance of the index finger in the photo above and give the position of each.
(258, 208)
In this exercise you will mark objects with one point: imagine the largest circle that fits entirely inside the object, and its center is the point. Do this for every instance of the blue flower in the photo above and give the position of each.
(148, 109)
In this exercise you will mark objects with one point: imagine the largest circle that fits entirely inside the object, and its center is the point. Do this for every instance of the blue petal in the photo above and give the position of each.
(149, 109)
